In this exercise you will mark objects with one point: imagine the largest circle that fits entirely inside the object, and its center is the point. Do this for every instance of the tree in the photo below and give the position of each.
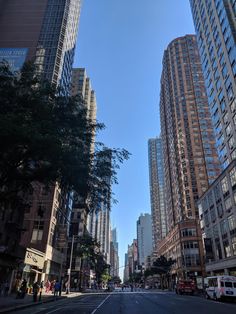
(47, 137)
(87, 249)
(162, 266)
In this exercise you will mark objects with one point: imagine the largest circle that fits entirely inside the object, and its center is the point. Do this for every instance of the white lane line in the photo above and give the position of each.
(59, 308)
(94, 311)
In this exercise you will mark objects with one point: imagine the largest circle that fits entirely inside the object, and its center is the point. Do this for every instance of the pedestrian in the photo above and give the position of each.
(6, 288)
(23, 288)
(52, 286)
(35, 291)
(57, 288)
(47, 286)
(41, 290)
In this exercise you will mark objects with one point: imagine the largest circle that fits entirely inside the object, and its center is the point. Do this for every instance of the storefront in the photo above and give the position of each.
(34, 264)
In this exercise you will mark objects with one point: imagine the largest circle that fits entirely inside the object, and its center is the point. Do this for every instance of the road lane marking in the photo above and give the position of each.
(94, 311)
(59, 308)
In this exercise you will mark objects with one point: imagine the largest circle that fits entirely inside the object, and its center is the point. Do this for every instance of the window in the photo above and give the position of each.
(228, 284)
(224, 185)
(37, 234)
(228, 204)
(232, 175)
(188, 232)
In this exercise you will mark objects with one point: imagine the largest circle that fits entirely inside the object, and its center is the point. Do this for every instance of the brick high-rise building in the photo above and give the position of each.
(190, 157)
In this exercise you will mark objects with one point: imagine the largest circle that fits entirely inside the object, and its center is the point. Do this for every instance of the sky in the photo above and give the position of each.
(121, 45)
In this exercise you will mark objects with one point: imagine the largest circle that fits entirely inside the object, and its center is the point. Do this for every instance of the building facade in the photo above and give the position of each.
(215, 24)
(157, 193)
(114, 254)
(190, 157)
(144, 238)
(42, 31)
(217, 210)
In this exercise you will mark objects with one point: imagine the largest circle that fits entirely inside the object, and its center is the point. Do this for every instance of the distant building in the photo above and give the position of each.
(126, 269)
(114, 254)
(157, 190)
(144, 237)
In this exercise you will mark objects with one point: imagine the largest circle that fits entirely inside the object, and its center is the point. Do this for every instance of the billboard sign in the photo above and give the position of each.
(14, 56)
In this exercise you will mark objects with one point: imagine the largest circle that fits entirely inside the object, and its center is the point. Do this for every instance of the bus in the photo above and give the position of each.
(221, 287)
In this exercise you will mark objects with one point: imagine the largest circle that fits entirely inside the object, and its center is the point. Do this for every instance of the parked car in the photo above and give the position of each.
(185, 287)
(221, 287)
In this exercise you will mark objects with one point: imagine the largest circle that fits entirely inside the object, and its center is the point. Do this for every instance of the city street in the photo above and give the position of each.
(134, 303)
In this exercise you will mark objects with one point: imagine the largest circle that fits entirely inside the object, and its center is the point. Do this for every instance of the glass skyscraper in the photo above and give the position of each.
(44, 31)
(156, 182)
(215, 24)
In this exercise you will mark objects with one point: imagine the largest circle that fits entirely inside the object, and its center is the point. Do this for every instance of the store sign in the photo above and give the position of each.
(34, 259)
(14, 56)
(62, 237)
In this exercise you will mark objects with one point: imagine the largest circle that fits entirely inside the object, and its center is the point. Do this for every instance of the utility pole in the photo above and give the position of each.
(69, 270)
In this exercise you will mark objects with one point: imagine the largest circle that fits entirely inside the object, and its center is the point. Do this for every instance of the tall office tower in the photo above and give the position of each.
(126, 269)
(44, 31)
(144, 238)
(114, 254)
(156, 182)
(215, 24)
(81, 85)
(190, 157)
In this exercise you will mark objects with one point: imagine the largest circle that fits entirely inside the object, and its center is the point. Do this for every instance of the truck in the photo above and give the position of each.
(185, 287)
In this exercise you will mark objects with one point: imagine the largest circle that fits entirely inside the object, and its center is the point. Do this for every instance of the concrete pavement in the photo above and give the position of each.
(10, 303)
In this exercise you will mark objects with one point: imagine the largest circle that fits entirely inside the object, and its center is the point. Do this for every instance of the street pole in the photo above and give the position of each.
(69, 270)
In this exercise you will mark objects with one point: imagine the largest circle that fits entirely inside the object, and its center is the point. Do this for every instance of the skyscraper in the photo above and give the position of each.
(42, 31)
(156, 182)
(144, 238)
(216, 34)
(45, 32)
(114, 254)
(190, 157)
(215, 24)
(81, 85)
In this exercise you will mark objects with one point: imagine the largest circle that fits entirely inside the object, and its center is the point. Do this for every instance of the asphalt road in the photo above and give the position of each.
(133, 303)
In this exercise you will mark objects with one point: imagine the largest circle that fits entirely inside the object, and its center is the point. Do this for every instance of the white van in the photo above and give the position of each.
(219, 287)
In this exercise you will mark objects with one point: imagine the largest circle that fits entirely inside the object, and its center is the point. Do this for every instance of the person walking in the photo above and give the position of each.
(41, 290)
(47, 286)
(35, 291)
(57, 288)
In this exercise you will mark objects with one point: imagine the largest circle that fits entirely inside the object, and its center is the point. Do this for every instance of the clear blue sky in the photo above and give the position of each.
(121, 44)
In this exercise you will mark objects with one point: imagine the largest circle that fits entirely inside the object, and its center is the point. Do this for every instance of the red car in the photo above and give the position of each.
(185, 287)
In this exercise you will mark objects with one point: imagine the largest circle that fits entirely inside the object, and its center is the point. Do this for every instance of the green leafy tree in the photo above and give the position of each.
(87, 250)
(47, 137)
(162, 266)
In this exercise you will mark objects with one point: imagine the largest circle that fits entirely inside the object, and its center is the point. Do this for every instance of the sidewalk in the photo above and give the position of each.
(10, 303)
